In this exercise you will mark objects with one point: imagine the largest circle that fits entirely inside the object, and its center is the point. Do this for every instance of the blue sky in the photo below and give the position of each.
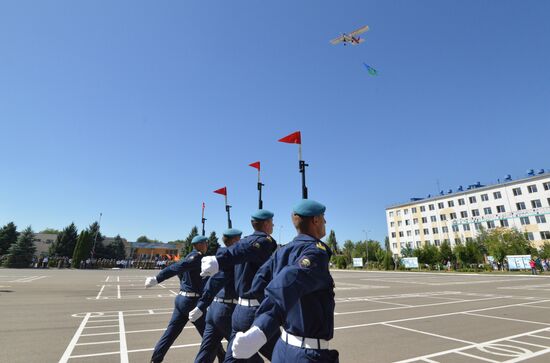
(140, 109)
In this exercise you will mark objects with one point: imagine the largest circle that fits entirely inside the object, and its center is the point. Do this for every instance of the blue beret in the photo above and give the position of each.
(309, 208)
(262, 215)
(198, 239)
(232, 232)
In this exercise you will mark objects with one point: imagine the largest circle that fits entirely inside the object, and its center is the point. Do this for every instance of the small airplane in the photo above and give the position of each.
(352, 37)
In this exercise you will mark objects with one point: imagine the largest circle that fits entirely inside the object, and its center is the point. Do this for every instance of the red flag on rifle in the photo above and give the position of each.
(222, 191)
(294, 138)
(255, 165)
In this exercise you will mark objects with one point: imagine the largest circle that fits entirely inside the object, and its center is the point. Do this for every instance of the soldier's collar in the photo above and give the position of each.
(259, 233)
(306, 238)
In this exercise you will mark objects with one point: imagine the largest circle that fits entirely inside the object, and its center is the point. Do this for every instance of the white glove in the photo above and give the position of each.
(150, 282)
(195, 314)
(246, 344)
(209, 266)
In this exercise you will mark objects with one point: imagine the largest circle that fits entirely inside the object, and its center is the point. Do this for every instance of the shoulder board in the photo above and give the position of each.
(321, 246)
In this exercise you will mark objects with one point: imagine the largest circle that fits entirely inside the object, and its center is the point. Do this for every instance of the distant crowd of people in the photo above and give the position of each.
(148, 262)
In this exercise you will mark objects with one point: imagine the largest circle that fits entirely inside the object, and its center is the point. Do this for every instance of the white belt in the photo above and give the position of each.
(301, 342)
(225, 301)
(248, 302)
(189, 294)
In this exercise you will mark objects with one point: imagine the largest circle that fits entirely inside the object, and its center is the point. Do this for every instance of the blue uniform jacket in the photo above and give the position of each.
(188, 271)
(300, 295)
(221, 285)
(247, 256)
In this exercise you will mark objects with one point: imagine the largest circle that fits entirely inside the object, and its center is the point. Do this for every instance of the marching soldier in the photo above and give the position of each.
(247, 256)
(299, 296)
(191, 287)
(221, 290)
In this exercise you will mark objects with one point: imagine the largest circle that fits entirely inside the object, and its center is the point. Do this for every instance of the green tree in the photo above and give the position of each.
(116, 249)
(8, 236)
(428, 254)
(98, 249)
(347, 251)
(468, 254)
(20, 253)
(65, 242)
(373, 248)
(544, 251)
(213, 244)
(446, 252)
(187, 246)
(50, 231)
(408, 251)
(332, 243)
(83, 248)
(360, 250)
(143, 239)
(504, 241)
(388, 258)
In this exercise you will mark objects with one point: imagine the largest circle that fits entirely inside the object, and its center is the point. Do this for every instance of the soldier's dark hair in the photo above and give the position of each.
(301, 223)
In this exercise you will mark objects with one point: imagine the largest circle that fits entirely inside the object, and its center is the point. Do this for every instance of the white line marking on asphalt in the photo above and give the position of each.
(93, 355)
(100, 326)
(123, 347)
(118, 279)
(73, 341)
(431, 334)
(107, 279)
(510, 319)
(100, 291)
(151, 311)
(102, 321)
(478, 358)
(540, 336)
(173, 292)
(95, 343)
(133, 351)
(118, 291)
(534, 345)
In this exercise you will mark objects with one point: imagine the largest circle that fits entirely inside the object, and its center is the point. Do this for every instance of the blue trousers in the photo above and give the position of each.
(182, 306)
(285, 353)
(218, 326)
(242, 320)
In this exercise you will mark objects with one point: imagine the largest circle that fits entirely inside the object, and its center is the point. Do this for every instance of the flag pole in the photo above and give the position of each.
(227, 207)
(203, 219)
(302, 166)
(260, 185)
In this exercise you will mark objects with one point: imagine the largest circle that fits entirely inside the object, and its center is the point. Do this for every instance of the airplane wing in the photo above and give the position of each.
(340, 39)
(359, 31)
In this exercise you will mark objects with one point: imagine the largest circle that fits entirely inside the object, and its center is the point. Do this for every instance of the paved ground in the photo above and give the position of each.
(106, 316)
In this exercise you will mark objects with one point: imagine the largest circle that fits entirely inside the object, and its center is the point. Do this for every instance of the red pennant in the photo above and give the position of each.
(222, 191)
(294, 138)
(255, 165)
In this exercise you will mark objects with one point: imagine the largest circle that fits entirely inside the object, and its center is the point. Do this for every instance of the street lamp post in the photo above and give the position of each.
(367, 245)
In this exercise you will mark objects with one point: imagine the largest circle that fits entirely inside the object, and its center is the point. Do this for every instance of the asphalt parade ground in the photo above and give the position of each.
(80, 316)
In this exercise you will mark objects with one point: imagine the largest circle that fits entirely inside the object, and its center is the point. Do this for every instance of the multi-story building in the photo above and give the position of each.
(458, 216)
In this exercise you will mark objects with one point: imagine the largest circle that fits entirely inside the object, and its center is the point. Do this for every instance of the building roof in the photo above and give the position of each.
(152, 245)
(473, 188)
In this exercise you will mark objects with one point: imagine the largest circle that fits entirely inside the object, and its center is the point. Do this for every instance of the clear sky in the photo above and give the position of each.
(140, 109)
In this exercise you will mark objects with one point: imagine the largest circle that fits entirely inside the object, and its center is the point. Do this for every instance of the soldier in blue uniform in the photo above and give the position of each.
(247, 256)
(191, 286)
(219, 297)
(299, 296)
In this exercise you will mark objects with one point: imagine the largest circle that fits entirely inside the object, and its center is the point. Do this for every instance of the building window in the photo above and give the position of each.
(453, 215)
(416, 232)
(536, 203)
(487, 210)
(451, 203)
(529, 236)
(413, 210)
(407, 222)
(504, 223)
(435, 230)
(466, 227)
(544, 235)
(548, 200)
(497, 195)
(401, 234)
(540, 219)
(417, 244)
(463, 214)
(422, 208)
(457, 241)
(428, 243)
(440, 205)
(424, 219)
(399, 223)
(409, 233)
(532, 188)
(415, 220)
(443, 217)
(546, 186)
(406, 211)
(472, 199)
(477, 226)
(516, 191)
(469, 239)
(455, 227)
(501, 209)
(394, 245)
(524, 220)
(475, 212)
(484, 197)
(445, 229)
(391, 214)
(431, 207)
(490, 224)
(426, 231)
(433, 218)
(461, 201)
(392, 224)
(437, 243)
(520, 206)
